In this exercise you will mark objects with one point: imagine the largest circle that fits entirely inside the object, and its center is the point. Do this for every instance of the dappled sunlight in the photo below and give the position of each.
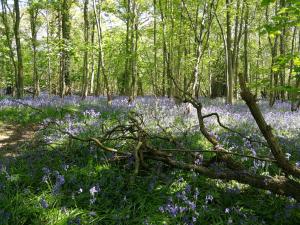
(12, 137)
(158, 112)
(63, 180)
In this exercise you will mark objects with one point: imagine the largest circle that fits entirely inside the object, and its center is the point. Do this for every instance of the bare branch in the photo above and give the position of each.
(266, 130)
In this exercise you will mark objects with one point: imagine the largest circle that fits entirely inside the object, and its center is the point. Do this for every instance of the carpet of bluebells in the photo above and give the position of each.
(57, 180)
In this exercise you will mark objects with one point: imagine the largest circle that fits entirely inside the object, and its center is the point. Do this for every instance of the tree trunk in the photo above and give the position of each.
(101, 63)
(246, 37)
(92, 59)
(238, 24)
(296, 94)
(126, 76)
(282, 53)
(165, 50)
(33, 12)
(20, 85)
(273, 74)
(66, 29)
(85, 76)
(7, 31)
(48, 55)
(229, 79)
(291, 67)
(155, 77)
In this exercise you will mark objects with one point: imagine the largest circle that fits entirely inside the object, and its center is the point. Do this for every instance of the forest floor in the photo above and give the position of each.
(12, 137)
(48, 178)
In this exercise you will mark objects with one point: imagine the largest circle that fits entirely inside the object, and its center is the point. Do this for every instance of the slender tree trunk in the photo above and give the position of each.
(282, 53)
(126, 77)
(134, 47)
(229, 99)
(258, 57)
(170, 61)
(155, 83)
(96, 14)
(209, 74)
(33, 12)
(295, 95)
(20, 85)
(246, 37)
(66, 29)
(101, 63)
(291, 67)
(179, 52)
(238, 24)
(7, 31)
(92, 59)
(48, 55)
(273, 74)
(199, 41)
(165, 50)
(85, 76)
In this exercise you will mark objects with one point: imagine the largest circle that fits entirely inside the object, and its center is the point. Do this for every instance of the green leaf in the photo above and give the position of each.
(267, 2)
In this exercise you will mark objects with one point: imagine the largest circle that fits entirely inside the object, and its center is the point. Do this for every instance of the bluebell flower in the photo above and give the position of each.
(63, 209)
(46, 170)
(60, 180)
(44, 203)
(208, 199)
(161, 209)
(65, 167)
(94, 190)
(92, 213)
(188, 189)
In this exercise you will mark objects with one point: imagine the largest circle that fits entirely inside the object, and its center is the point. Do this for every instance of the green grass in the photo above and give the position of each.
(123, 198)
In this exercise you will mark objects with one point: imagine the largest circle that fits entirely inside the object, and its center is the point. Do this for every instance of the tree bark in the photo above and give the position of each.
(33, 12)
(229, 79)
(266, 130)
(101, 63)
(246, 37)
(85, 76)
(7, 31)
(92, 58)
(20, 85)
(65, 88)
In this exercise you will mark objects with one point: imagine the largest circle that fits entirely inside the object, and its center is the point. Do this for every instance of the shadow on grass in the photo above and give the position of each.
(94, 191)
(97, 192)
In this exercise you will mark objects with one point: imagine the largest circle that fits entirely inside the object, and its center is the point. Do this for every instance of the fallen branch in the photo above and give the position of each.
(91, 139)
(231, 130)
(223, 152)
(278, 185)
(266, 130)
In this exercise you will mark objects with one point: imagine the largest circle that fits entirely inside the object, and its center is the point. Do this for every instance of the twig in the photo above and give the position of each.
(223, 152)
(231, 130)
(137, 158)
(95, 140)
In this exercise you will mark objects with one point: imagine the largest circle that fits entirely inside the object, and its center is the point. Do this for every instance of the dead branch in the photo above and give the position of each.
(233, 131)
(223, 152)
(278, 185)
(266, 130)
